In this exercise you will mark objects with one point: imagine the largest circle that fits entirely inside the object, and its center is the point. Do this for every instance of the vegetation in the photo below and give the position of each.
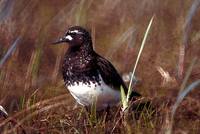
(31, 87)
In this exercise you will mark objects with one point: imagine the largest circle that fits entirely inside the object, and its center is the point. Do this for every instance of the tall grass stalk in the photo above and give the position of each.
(29, 71)
(187, 30)
(57, 65)
(123, 99)
(9, 52)
(93, 116)
(81, 12)
(182, 93)
(178, 101)
(189, 71)
(6, 8)
(138, 57)
(120, 39)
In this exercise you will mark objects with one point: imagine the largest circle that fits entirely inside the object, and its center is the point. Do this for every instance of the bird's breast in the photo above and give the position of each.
(79, 69)
(91, 93)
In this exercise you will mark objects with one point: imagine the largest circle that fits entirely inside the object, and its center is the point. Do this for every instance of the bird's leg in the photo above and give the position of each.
(108, 109)
(87, 109)
(107, 113)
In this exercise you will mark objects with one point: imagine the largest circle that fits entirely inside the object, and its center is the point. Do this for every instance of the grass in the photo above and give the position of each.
(138, 57)
(32, 91)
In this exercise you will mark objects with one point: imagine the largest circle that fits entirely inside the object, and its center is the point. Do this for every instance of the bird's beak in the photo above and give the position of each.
(66, 38)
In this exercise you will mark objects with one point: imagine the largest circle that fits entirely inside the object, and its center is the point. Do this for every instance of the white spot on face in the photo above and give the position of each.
(88, 94)
(68, 37)
(75, 31)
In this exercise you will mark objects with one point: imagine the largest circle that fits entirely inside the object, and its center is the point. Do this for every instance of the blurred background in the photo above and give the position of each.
(117, 28)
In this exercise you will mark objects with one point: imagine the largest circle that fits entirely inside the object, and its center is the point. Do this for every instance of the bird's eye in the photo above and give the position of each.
(72, 33)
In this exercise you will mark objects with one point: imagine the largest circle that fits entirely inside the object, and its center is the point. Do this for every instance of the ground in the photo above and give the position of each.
(31, 85)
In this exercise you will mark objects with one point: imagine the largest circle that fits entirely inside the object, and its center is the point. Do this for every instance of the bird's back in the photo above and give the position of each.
(87, 75)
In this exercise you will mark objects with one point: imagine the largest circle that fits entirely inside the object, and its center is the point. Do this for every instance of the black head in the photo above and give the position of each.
(76, 36)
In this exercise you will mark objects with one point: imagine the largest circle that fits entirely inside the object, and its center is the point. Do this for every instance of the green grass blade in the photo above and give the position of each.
(123, 99)
(138, 57)
(93, 116)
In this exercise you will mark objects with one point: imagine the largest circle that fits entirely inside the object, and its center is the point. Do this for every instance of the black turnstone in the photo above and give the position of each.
(89, 77)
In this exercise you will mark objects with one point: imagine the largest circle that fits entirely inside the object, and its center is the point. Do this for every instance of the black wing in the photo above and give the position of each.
(110, 75)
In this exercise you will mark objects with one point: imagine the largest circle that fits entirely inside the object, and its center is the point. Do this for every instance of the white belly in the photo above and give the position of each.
(89, 94)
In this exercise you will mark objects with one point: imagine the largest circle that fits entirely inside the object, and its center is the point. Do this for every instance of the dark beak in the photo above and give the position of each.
(61, 40)
(67, 38)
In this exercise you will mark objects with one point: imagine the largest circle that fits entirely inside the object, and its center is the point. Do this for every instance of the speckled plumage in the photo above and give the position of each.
(87, 74)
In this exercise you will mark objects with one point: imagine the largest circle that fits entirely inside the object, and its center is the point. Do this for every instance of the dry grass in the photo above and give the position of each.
(31, 84)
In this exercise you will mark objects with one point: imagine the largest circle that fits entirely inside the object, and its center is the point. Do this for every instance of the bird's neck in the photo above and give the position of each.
(84, 50)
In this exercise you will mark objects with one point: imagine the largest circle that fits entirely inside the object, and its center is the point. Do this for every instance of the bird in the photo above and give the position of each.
(90, 78)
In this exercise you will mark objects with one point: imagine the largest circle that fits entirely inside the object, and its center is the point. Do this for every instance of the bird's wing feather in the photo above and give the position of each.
(111, 76)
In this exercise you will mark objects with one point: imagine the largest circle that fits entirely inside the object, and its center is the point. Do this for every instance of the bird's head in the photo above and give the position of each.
(76, 36)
